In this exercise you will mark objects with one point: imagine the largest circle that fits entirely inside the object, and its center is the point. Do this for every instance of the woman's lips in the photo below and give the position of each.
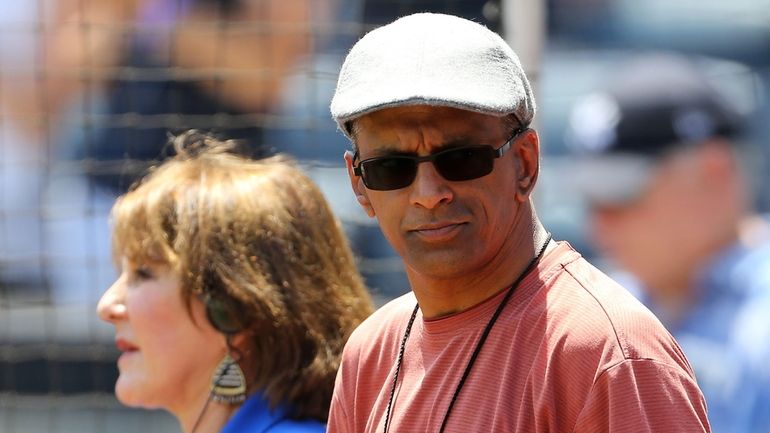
(125, 346)
(128, 350)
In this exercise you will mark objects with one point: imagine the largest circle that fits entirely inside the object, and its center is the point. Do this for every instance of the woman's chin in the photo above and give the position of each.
(131, 395)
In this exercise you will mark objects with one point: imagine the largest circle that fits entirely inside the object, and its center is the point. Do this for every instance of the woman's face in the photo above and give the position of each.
(168, 357)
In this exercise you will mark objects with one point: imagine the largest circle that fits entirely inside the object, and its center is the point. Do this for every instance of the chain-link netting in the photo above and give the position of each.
(91, 89)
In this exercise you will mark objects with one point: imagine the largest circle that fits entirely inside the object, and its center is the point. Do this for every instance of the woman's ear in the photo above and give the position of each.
(526, 151)
(357, 184)
(239, 340)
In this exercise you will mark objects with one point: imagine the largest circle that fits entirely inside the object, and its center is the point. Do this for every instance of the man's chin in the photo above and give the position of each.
(440, 263)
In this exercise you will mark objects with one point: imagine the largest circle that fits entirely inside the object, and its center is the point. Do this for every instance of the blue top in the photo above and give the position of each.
(255, 416)
(726, 337)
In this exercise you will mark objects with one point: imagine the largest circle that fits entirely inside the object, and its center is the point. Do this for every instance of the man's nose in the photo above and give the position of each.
(429, 188)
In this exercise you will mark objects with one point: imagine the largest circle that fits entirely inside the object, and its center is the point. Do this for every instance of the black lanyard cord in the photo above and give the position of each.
(476, 350)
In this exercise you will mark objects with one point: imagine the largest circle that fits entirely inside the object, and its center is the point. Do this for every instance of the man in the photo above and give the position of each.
(504, 330)
(663, 169)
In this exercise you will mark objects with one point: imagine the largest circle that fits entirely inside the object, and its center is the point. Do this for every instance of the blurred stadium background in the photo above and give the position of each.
(90, 88)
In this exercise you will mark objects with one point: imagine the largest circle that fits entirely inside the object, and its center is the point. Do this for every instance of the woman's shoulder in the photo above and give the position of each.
(256, 416)
(297, 426)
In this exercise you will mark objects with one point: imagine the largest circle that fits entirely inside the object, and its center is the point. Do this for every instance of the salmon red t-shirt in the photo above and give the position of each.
(572, 351)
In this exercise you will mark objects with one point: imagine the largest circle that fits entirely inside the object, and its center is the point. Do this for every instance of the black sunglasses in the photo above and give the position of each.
(385, 173)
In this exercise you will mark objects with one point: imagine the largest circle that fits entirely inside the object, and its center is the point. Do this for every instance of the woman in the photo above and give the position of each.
(236, 294)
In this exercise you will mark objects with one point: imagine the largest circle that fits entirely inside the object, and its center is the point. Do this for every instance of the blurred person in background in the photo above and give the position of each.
(237, 291)
(52, 224)
(665, 168)
(88, 91)
(218, 65)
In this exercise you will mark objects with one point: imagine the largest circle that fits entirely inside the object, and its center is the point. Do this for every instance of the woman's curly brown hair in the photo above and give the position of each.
(260, 235)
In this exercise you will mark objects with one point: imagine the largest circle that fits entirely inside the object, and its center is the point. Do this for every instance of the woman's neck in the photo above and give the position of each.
(209, 417)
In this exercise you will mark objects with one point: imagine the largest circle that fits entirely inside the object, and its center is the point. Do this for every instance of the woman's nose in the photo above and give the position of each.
(111, 307)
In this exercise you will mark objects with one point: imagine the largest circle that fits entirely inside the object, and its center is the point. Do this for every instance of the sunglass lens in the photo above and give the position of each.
(224, 315)
(389, 173)
(466, 163)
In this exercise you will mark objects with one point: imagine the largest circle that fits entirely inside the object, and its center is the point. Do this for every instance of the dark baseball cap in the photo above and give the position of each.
(655, 104)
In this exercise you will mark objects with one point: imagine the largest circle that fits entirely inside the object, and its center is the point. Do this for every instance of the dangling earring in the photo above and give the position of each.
(228, 384)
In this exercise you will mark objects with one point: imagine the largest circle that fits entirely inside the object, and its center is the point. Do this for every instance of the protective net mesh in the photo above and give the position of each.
(91, 89)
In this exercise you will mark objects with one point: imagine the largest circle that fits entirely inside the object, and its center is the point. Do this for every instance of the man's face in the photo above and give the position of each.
(441, 228)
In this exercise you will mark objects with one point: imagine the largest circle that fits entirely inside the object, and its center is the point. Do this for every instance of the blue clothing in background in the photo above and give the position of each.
(726, 337)
(255, 416)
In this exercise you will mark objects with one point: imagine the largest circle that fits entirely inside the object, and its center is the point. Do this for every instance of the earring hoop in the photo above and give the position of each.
(228, 384)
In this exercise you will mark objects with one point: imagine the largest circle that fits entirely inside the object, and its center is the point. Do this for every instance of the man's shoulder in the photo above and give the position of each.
(590, 308)
(384, 327)
(577, 287)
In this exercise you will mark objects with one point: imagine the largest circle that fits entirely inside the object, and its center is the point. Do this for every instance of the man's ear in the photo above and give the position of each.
(357, 184)
(716, 159)
(526, 151)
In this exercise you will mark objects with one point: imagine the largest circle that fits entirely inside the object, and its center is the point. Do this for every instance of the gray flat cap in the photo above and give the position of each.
(432, 59)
